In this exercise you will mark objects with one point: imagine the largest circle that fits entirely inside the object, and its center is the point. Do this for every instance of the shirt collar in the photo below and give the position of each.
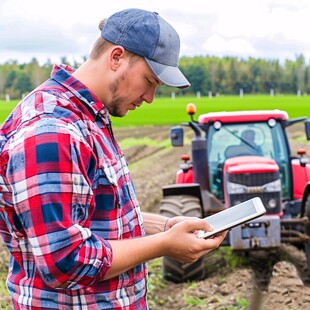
(63, 75)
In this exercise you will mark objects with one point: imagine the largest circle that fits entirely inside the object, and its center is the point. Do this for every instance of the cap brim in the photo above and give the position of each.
(171, 76)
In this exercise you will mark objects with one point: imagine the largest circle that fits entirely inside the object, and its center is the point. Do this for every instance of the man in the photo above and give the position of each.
(69, 213)
(248, 143)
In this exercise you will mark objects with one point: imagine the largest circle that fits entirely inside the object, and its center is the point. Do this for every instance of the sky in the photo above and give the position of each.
(269, 29)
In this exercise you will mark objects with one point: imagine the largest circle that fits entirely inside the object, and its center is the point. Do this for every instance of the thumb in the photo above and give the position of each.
(199, 224)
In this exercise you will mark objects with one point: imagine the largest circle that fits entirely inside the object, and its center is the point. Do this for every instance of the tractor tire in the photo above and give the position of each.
(307, 207)
(173, 270)
(307, 245)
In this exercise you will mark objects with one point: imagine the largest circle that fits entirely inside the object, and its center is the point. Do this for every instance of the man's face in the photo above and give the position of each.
(136, 84)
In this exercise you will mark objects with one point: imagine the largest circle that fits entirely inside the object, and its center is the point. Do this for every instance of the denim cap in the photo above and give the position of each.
(148, 35)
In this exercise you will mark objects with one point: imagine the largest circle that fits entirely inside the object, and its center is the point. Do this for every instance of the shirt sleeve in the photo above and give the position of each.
(50, 170)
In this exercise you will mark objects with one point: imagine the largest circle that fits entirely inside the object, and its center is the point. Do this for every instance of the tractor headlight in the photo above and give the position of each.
(274, 186)
(235, 188)
(272, 203)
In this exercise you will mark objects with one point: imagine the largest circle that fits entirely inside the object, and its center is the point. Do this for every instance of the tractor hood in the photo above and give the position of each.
(250, 164)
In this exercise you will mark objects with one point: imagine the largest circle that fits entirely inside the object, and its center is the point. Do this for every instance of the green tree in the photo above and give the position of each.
(10, 79)
(23, 84)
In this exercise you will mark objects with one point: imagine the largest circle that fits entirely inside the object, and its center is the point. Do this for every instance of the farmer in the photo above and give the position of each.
(69, 214)
(248, 142)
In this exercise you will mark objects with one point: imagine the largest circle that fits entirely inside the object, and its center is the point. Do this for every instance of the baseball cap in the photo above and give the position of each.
(148, 35)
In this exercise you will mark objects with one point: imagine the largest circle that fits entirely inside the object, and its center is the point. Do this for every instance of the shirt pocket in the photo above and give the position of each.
(106, 219)
(106, 185)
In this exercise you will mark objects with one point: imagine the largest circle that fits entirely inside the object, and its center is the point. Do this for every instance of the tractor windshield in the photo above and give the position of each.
(251, 139)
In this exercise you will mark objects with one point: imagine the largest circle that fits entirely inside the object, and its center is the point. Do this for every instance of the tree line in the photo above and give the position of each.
(207, 74)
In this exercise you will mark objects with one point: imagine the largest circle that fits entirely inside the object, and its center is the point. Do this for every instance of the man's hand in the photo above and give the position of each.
(182, 242)
(178, 240)
(171, 221)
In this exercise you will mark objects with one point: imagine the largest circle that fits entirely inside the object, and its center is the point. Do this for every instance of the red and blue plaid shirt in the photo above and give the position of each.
(65, 191)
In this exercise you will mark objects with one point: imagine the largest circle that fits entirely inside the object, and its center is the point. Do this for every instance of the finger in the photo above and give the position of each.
(217, 239)
(198, 224)
(222, 235)
(213, 243)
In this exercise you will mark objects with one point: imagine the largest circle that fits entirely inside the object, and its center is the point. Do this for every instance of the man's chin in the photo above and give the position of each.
(119, 114)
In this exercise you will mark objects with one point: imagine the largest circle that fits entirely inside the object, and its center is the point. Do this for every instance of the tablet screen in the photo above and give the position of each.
(231, 215)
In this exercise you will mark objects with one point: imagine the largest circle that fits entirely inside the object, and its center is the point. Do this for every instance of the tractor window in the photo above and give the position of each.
(281, 156)
(249, 139)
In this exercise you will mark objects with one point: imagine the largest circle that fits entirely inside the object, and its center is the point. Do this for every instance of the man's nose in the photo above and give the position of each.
(149, 95)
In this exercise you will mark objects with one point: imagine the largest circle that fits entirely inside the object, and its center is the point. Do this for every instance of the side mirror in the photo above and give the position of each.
(307, 129)
(177, 136)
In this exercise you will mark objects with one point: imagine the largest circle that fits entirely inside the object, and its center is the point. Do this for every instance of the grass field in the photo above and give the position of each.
(166, 111)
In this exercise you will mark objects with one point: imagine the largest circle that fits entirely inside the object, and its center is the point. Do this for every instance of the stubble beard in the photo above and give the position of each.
(115, 106)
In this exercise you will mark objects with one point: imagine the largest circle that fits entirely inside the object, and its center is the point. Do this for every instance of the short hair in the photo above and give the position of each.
(100, 45)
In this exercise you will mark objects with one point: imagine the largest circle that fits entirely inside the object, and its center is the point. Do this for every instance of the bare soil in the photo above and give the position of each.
(224, 288)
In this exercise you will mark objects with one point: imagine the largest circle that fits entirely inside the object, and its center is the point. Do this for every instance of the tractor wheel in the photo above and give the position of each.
(307, 207)
(307, 245)
(175, 271)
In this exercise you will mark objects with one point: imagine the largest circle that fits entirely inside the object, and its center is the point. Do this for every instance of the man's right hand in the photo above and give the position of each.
(182, 243)
(179, 242)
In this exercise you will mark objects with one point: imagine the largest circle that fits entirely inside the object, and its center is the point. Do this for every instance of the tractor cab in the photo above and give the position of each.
(261, 144)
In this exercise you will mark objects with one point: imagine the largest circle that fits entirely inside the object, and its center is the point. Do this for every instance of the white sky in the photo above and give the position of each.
(270, 29)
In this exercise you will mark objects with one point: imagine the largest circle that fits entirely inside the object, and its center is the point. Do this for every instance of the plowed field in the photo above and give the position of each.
(224, 288)
(153, 167)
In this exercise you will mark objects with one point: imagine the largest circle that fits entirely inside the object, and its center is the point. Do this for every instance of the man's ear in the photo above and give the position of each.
(116, 55)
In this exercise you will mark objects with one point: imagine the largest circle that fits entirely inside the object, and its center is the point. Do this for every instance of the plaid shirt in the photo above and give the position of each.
(65, 190)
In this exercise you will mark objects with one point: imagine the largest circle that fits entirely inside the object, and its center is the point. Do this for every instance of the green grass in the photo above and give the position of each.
(129, 142)
(5, 298)
(165, 111)
(6, 108)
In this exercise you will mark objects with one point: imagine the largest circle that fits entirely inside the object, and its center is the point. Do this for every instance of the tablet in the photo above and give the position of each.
(233, 216)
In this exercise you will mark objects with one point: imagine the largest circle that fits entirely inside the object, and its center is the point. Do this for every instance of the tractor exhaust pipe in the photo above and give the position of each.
(200, 162)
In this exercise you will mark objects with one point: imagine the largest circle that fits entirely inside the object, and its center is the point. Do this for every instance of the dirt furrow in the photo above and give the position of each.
(221, 290)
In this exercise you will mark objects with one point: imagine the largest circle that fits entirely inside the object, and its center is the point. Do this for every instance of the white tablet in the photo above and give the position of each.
(233, 216)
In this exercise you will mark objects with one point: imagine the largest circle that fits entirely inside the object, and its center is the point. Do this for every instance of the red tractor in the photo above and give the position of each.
(237, 156)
